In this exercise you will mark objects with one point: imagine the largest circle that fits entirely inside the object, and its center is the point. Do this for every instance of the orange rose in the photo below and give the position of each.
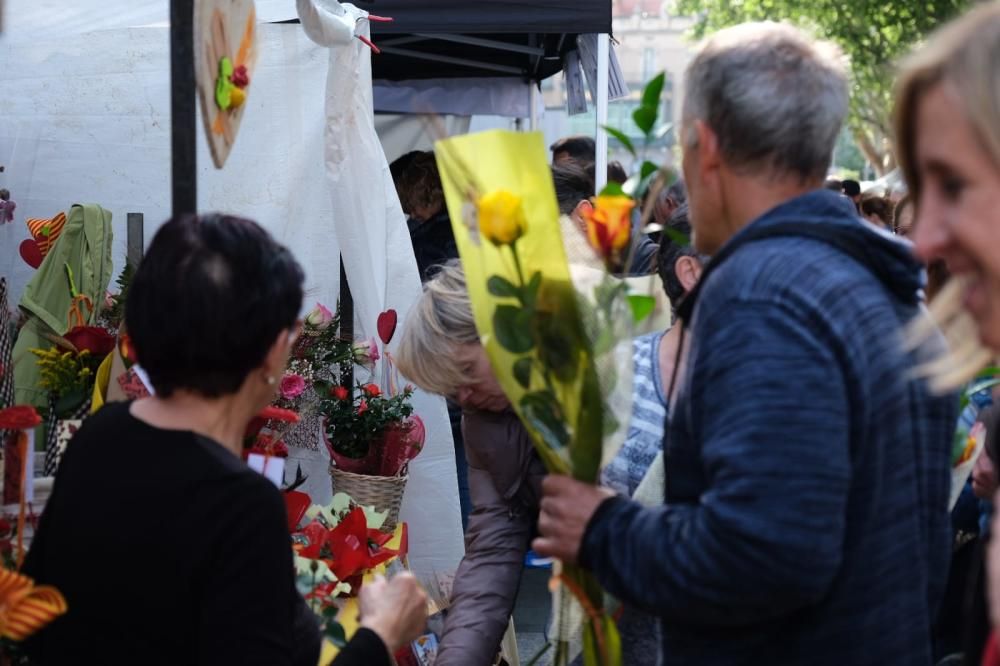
(609, 224)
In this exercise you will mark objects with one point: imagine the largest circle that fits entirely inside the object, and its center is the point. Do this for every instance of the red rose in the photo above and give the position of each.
(362, 406)
(339, 392)
(21, 417)
(94, 339)
(372, 390)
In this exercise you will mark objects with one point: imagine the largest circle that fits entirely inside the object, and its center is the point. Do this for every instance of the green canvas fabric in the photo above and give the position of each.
(85, 245)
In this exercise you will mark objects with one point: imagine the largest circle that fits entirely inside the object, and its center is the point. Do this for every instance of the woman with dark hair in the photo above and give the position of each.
(168, 549)
(877, 210)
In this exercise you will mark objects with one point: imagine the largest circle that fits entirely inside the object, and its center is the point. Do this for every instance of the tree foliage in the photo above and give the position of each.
(873, 35)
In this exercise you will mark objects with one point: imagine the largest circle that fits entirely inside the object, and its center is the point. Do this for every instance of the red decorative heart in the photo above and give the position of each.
(31, 254)
(387, 325)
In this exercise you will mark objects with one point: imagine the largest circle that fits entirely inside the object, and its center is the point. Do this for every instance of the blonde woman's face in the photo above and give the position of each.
(958, 214)
(481, 389)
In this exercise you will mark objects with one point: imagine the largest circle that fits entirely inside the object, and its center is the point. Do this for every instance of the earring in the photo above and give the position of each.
(271, 381)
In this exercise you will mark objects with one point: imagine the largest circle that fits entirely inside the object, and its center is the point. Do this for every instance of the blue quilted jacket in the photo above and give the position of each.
(806, 517)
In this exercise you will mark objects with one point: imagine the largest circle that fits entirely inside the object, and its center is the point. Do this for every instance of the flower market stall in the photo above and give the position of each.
(290, 122)
(277, 181)
(92, 123)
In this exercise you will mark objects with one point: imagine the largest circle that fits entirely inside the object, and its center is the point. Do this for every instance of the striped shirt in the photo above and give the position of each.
(640, 632)
(645, 430)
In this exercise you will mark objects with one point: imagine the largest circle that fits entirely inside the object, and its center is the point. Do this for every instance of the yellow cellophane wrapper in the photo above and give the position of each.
(476, 165)
(102, 380)
(503, 257)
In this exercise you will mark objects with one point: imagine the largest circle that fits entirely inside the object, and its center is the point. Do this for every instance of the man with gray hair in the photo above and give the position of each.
(807, 468)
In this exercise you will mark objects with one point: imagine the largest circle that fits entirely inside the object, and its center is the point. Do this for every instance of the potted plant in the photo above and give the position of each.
(371, 437)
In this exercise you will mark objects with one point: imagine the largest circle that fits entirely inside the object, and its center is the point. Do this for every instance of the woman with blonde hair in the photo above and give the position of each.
(948, 133)
(441, 353)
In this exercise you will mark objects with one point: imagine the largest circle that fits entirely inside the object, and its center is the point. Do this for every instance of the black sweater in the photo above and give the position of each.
(169, 550)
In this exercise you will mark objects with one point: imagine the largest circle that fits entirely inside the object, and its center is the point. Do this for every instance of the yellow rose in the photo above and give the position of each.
(609, 224)
(501, 217)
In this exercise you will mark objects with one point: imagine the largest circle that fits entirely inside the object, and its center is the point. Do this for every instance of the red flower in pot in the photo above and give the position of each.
(358, 429)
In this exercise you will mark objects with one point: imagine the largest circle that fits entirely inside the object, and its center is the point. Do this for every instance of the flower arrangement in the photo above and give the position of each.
(548, 347)
(370, 432)
(561, 353)
(316, 356)
(334, 546)
(69, 368)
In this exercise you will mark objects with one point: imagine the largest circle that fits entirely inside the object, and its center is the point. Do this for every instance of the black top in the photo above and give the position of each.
(169, 550)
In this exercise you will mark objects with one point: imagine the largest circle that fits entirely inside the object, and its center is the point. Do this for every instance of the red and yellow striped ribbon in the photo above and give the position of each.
(46, 231)
(24, 608)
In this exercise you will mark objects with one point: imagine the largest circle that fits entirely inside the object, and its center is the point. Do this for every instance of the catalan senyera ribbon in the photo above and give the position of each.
(24, 608)
(46, 231)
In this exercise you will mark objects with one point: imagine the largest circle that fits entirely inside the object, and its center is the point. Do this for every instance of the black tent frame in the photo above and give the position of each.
(429, 39)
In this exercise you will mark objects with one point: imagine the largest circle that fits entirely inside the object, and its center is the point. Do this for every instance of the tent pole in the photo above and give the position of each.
(183, 109)
(601, 136)
(533, 94)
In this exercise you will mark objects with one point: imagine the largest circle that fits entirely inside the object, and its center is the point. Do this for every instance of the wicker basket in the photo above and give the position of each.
(385, 493)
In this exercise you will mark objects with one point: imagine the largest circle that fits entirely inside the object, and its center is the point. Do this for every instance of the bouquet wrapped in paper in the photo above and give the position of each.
(557, 352)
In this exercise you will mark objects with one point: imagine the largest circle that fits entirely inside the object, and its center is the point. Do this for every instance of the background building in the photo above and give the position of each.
(649, 40)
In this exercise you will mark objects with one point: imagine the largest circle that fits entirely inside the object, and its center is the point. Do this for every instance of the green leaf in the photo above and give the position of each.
(522, 372)
(677, 237)
(622, 138)
(642, 306)
(559, 347)
(612, 190)
(605, 342)
(607, 291)
(530, 292)
(502, 287)
(645, 177)
(653, 90)
(335, 632)
(644, 118)
(512, 326)
(543, 414)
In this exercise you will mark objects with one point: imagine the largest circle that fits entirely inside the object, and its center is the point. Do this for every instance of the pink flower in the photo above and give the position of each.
(366, 353)
(292, 386)
(362, 406)
(320, 318)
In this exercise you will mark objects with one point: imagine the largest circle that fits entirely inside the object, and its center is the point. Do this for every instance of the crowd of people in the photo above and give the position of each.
(782, 496)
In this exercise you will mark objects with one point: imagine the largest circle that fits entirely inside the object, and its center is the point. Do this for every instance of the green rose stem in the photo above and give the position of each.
(517, 264)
